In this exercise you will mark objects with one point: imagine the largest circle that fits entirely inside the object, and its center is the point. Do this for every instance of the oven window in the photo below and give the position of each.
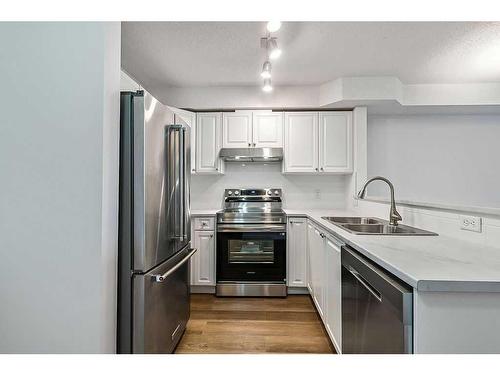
(251, 251)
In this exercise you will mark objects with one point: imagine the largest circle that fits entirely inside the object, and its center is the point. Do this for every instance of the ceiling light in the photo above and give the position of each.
(274, 51)
(273, 26)
(266, 70)
(267, 85)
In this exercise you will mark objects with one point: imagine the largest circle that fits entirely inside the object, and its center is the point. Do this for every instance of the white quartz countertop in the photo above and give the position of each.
(205, 212)
(428, 263)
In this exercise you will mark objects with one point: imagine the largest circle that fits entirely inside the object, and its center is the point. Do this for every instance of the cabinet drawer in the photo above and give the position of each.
(204, 223)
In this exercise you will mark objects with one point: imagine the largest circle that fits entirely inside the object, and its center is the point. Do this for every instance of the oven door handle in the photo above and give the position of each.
(251, 228)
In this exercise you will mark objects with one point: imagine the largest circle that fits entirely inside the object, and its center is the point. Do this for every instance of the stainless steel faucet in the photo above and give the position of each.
(394, 215)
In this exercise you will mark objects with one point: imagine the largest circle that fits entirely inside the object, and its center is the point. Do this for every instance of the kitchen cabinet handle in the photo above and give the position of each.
(211, 236)
(322, 169)
(249, 144)
(316, 169)
(254, 144)
(161, 278)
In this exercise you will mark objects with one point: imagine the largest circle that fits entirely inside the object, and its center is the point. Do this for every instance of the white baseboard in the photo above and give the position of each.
(297, 290)
(207, 289)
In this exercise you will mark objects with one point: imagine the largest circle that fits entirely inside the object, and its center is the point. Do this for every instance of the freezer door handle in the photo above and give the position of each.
(161, 278)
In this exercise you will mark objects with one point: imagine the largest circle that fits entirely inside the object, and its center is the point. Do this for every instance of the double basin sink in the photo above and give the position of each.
(375, 226)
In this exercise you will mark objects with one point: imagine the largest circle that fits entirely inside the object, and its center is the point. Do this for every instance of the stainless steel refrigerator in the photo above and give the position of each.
(154, 226)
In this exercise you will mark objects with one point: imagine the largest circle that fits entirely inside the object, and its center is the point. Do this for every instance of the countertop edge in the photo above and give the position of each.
(419, 285)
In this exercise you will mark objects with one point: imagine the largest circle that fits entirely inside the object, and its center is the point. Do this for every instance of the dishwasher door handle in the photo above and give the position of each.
(365, 283)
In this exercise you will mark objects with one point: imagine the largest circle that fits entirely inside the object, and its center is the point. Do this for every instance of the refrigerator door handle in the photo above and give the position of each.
(161, 278)
(174, 175)
(182, 178)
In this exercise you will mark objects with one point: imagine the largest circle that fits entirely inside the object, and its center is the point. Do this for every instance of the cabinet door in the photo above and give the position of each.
(333, 298)
(319, 273)
(267, 129)
(297, 257)
(208, 142)
(237, 129)
(301, 142)
(335, 142)
(190, 119)
(310, 246)
(203, 263)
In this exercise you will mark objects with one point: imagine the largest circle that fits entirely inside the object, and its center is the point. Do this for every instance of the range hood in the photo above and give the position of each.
(255, 155)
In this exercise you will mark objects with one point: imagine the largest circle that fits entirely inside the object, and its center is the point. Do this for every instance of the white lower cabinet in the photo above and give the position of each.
(324, 279)
(317, 261)
(310, 245)
(203, 261)
(333, 289)
(297, 254)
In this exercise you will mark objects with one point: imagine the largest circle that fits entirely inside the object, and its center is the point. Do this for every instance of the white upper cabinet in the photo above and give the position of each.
(190, 119)
(297, 256)
(237, 129)
(252, 129)
(208, 142)
(267, 129)
(335, 142)
(318, 142)
(301, 142)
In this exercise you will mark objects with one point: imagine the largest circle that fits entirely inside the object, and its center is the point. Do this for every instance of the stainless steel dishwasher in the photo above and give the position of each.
(377, 308)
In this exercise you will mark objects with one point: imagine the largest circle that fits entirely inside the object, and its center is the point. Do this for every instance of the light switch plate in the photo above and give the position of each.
(472, 223)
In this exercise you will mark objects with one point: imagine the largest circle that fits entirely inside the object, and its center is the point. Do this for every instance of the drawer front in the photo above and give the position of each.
(204, 223)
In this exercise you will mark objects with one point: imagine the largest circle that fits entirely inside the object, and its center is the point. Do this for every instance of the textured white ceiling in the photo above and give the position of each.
(192, 54)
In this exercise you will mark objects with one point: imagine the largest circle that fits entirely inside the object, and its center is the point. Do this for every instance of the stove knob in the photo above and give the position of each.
(229, 192)
(236, 192)
(276, 192)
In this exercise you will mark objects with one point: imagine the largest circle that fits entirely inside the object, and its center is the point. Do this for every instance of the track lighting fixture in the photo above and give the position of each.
(266, 70)
(273, 26)
(274, 51)
(267, 85)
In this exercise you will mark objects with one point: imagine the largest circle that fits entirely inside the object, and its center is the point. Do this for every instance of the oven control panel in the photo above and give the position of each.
(269, 192)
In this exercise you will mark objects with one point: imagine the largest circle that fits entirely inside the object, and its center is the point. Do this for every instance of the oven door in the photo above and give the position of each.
(251, 253)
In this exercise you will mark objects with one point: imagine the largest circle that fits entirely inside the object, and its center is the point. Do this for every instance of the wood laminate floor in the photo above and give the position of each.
(254, 325)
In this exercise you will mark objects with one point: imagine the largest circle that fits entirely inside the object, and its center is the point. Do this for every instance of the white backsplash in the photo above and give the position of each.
(299, 191)
(440, 221)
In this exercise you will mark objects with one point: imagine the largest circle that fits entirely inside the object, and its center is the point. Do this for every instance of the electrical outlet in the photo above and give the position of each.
(472, 223)
(317, 194)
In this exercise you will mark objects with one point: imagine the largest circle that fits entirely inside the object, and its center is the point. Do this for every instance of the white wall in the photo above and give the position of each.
(58, 190)
(447, 159)
(207, 191)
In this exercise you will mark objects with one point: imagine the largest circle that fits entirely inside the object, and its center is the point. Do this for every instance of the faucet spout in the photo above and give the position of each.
(394, 215)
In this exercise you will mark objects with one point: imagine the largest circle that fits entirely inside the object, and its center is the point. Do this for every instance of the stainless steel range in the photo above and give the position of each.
(251, 244)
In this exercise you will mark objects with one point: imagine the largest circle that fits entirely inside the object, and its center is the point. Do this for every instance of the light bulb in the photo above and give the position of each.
(273, 26)
(267, 86)
(266, 70)
(274, 51)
